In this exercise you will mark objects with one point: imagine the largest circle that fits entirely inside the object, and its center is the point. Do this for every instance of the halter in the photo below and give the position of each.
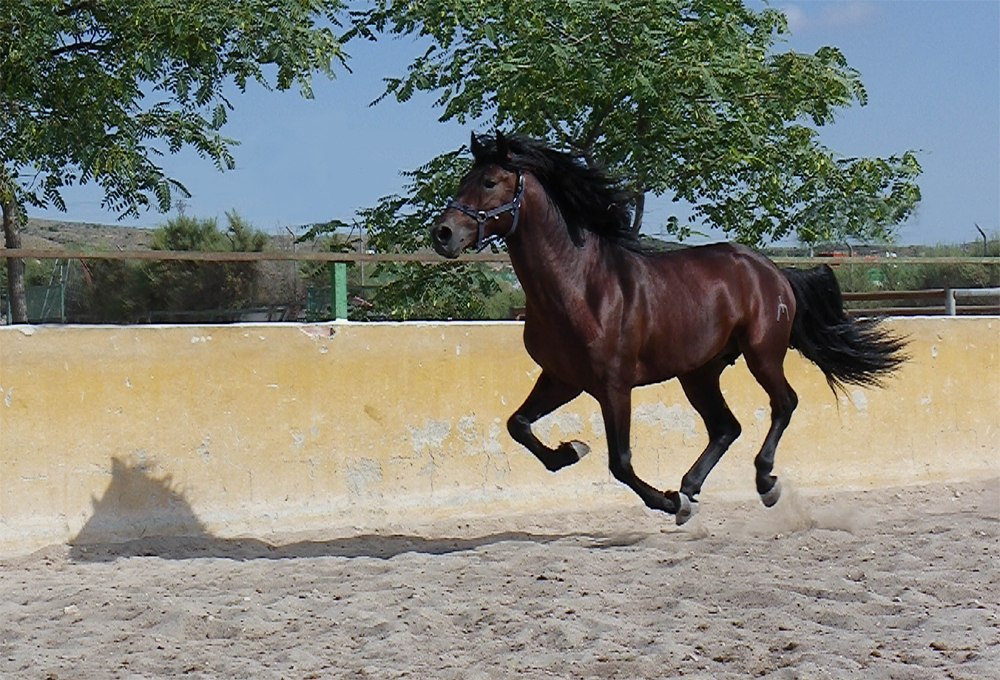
(482, 216)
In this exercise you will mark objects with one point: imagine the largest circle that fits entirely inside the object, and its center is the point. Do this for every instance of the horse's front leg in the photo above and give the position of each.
(547, 395)
(617, 411)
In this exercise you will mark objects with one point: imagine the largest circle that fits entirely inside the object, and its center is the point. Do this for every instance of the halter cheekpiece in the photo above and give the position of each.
(482, 216)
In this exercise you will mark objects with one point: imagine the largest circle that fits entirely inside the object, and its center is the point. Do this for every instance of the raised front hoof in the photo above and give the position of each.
(568, 453)
(577, 448)
(772, 496)
(688, 509)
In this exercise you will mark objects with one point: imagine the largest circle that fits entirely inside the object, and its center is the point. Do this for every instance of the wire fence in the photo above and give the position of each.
(304, 285)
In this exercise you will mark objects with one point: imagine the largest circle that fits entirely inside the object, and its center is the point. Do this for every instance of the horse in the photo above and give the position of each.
(604, 314)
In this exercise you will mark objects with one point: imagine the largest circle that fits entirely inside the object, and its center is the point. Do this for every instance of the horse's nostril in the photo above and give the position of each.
(443, 234)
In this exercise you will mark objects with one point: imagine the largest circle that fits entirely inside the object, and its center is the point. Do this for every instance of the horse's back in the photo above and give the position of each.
(717, 269)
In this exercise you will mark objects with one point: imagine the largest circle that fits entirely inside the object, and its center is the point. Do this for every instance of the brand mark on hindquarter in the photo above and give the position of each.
(782, 309)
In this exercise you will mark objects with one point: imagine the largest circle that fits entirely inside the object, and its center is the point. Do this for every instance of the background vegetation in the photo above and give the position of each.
(115, 291)
(123, 291)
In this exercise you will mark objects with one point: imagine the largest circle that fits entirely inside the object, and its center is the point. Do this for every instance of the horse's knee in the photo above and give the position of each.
(517, 427)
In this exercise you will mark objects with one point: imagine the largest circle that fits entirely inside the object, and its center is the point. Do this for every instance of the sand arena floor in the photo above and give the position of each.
(898, 583)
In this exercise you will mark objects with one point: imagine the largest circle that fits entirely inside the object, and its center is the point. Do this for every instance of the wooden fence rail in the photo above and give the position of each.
(947, 301)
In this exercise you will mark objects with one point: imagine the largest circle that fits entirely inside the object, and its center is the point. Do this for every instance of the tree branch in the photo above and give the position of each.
(595, 131)
(86, 46)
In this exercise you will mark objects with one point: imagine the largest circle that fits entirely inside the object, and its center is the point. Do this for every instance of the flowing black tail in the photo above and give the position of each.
(856, 351)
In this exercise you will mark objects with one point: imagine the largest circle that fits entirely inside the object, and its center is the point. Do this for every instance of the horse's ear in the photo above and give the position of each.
(478, 150)
(503, 152)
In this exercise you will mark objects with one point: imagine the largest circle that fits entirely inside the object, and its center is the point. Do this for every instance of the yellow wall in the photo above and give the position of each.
(115, 433)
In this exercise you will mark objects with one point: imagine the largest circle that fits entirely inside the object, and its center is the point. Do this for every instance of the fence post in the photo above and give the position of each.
(949, 302)
(338, 289)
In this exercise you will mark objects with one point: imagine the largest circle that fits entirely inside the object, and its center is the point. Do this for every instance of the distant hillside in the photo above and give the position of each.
(73, 235)
(86, 236)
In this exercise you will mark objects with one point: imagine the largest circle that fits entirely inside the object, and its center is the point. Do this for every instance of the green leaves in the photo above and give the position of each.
(398, 224)
(89, 91)
(687, 97)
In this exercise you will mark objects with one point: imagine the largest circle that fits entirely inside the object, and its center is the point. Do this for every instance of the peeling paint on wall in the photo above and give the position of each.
(431, 436)
(568, 423)
(860, 401)
(597, 424)
(674, 418)
(364, 477)
(469, 435)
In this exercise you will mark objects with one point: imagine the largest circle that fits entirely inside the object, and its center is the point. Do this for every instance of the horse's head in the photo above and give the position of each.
(488, 202)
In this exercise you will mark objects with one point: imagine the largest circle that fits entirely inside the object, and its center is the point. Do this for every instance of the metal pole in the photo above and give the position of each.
(338, 290)
(949, 302)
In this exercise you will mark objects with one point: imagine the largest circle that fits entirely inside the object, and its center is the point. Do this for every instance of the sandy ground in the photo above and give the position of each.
(900, 583)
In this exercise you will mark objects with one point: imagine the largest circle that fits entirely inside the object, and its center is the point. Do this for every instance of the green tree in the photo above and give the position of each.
(398, 224)
(96, 91)
(118, 291)
(179, 287)
(688, 98)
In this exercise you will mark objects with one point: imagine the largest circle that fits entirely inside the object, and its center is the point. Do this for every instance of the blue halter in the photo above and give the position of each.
(482, 216)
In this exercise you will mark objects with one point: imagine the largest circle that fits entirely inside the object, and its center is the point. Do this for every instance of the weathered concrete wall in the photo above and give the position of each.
(114, 433)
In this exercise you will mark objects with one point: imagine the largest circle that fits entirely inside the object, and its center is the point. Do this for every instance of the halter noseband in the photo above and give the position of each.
(482, 216)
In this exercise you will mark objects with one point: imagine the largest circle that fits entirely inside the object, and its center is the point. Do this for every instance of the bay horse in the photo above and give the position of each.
(604, 315)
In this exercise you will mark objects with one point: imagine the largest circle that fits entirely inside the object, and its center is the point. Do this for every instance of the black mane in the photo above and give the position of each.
(585, 195)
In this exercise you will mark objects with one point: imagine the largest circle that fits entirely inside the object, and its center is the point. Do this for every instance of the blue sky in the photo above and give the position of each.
(931, 68)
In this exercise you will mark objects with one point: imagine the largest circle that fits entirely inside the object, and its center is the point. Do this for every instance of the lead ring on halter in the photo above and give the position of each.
(482, 216)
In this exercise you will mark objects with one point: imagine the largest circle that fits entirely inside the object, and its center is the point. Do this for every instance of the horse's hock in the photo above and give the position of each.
(110, 434)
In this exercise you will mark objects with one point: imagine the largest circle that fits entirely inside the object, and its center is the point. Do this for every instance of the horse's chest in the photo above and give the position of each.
(538, 343)
(558, 348)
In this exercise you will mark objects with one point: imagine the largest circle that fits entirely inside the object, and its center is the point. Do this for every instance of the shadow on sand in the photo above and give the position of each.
(140, 515)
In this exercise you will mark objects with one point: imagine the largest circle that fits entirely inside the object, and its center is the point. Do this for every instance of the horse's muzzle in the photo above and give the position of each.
(446, 242)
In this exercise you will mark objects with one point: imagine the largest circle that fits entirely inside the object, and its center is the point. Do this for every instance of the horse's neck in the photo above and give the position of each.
(550, 267)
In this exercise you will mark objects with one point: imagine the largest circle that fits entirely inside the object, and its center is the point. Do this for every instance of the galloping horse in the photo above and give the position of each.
(604, 316)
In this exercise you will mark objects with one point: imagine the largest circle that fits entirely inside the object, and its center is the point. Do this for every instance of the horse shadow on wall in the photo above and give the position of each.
(139, 511)
(140, 515)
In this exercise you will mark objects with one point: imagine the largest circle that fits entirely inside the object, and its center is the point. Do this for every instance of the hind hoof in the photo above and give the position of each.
(772, 496)
(688, 509)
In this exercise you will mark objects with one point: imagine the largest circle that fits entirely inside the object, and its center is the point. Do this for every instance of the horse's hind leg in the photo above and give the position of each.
(702, 390)
(547, 395)
(767, 368)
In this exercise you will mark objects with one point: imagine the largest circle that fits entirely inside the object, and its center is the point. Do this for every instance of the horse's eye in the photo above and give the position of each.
(488, 183)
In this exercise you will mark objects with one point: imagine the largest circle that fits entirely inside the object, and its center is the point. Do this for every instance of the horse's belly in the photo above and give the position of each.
(685, 347)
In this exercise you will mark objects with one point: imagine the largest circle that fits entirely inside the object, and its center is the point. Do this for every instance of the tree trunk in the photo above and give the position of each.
(640, 206)
(15, 267)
